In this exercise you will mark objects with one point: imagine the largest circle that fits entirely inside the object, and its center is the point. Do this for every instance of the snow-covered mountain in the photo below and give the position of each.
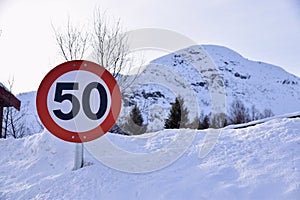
(203, 75)
(212, 77)
(260, 162)
(256, 83)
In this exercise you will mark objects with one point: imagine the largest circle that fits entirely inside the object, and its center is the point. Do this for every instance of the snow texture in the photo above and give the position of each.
(259, 162)
(185, 73)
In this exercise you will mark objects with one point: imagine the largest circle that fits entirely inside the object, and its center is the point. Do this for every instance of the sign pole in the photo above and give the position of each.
(78, 160)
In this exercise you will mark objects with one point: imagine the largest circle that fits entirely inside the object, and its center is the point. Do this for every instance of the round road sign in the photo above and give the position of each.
(78, 101)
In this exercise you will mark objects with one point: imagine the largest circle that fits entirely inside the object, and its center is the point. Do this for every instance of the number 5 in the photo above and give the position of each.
(59, 97)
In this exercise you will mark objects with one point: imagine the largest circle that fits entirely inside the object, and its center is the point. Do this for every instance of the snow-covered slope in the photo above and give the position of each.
(209, 73)
(194, 73)
(256, 83)
(260, 162)
(30, 120)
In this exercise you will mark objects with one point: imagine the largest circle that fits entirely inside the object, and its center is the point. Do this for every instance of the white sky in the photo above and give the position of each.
(264, 30)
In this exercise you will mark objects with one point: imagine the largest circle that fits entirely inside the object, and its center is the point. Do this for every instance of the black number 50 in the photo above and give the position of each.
(60, 97)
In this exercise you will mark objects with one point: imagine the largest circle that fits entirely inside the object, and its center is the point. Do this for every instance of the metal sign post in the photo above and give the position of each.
(78, 160)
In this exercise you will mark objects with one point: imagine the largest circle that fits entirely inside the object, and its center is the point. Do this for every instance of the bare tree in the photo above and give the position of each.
(267, 113)
(255, 114)
(239, 113)
(7, 110)
(110, 44)
(14, 121)
(72, 41)
(218, 120)
(17, 122)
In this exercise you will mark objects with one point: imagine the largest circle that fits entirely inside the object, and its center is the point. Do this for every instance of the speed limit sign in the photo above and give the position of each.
(78, 101)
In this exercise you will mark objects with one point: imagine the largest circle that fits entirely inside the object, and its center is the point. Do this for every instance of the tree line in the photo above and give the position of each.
(178, 118)
(238, 114)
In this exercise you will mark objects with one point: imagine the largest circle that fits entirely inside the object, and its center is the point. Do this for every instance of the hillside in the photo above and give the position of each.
(210, 78)
(260, 162)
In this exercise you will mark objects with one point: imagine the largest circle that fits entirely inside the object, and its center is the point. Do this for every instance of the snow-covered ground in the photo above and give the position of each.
(259, 162)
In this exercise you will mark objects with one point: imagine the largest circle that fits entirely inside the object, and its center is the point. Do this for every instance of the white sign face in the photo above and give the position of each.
(78, 101)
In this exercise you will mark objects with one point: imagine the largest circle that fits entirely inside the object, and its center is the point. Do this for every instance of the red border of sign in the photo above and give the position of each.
(78, 137)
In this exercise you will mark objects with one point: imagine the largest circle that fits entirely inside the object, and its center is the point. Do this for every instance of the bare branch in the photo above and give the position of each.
(14, 121)
(109, 44)
(72, 41)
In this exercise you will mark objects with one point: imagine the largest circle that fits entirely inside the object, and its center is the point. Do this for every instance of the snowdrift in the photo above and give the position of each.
(259, 162)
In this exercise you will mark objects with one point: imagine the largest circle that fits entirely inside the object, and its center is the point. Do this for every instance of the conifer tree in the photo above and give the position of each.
(178, 117)
(134, 124)
(204, 123)
(136, 116)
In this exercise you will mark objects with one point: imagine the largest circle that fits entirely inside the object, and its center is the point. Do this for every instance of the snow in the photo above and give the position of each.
(213, 77)
(264, 85)
(253, 123)
(3, 86)
(258, 162)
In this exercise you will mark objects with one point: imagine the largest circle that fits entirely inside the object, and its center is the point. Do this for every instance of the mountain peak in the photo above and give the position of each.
(192, 72)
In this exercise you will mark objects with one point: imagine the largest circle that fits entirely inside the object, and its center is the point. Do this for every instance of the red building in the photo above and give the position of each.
(7, 99)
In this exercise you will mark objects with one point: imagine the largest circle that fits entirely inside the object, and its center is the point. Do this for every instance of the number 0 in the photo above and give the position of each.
(86, 100)
(59, 97)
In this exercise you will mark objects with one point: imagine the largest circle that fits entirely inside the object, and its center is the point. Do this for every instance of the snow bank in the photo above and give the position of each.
(259, 162)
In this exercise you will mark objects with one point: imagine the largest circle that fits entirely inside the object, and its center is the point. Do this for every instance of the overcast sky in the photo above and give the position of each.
(264, 30)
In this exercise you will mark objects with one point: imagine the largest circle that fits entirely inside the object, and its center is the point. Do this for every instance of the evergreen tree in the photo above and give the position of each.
(136, 116)
(178, 117)
(134, 124)
(204, 123)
